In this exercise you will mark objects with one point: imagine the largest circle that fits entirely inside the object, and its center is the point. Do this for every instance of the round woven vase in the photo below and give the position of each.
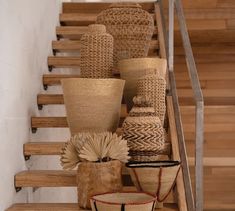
(131, 27)
(92, 105)
(96, 53)
(157, 177)
(97, 178)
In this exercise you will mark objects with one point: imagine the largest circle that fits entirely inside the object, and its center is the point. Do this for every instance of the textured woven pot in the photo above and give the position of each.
(145, 137)
(96, 53)
(131, 27)
(154, 87)
(92, 105)
(124, 201)
(97, 178)
(157, 177)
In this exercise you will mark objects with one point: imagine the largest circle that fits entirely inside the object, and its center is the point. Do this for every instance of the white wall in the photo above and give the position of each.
(27, 29)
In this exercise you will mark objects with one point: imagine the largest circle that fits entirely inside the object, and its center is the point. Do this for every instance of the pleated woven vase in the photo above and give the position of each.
(157, 177)
(97, 178)
(96, 53)
(123, 201)
(131, 27)
(92, 105)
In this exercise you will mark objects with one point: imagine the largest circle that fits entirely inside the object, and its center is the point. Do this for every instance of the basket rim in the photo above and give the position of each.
(154, 198)
(136, 164)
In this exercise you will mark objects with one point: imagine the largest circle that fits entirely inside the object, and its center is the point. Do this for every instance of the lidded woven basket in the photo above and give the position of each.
(131, 27)
(96, 53)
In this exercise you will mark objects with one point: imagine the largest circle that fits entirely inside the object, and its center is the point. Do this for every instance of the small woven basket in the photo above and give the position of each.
(123, 201)
(131, 27)
(157, 177)
(92, 105)
(97, 178)
(154, 87)
(96, 53)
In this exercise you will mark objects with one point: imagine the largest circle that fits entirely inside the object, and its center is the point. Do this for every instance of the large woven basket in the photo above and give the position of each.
(131, 27)
(97, 178)
(96, 53)
(92, 105)
(124, 201)
(154, 87)
(145, 137)
(157, 177)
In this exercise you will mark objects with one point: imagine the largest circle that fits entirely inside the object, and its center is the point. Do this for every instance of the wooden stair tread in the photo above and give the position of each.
(63, 61)
(66, 207)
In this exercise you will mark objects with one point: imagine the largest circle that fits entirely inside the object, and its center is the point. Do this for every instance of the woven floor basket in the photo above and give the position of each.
(131, 27)
(154, 87)
(96, 53)
(145, 137)
(157, 177)
(97, 178)
(124, 201)
(92, 105)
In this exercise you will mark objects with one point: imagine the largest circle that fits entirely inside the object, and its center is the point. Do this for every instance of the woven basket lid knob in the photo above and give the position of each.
(97, 28)
(125, 4)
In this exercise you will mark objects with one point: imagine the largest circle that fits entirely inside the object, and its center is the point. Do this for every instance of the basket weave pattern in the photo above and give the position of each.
(96, 53)
(131, 27)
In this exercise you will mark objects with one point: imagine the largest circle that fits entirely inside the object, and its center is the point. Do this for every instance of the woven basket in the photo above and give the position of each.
(145, 137)
(96, 53)
(157, 177)
(131, 27)
(97, 178)
(124, 201)
(154, 87)
(92, 105)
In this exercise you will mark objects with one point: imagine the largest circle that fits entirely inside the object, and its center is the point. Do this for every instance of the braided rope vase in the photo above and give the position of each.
(96, 53)
(131, 27)
(154, 87)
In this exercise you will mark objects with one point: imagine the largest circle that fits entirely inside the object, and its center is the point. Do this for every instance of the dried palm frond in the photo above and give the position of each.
(104, 147)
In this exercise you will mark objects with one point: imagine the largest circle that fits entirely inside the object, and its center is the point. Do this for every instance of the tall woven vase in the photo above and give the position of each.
(96, 53)
(92, 105)
(157, 177)
(133, 69)
(97, 178)
(131, 27)
(154, 87)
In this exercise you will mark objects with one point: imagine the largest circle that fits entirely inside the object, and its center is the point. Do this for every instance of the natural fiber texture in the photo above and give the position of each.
(96, 53)
(131, 27)
(92, 105)
(129, 201)
(154, 87)
(96, 178)
(154, 177)
(144, 134)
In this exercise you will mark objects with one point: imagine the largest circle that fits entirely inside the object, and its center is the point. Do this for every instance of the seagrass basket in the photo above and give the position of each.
(96, 53)
(131, 27)
(154, 87)
(92, 105)
(97, 178)
(157, 177)
(123, 201)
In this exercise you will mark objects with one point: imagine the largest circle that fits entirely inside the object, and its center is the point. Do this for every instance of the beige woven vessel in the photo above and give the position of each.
(154, 87)
(97, 178)
(157, 177)
(92, 105)
(145, 137)
(131, 27)
(96, 53)
(124, 201)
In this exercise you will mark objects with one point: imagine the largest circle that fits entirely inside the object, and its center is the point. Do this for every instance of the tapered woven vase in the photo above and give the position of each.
(157, 177)
(92, 105)
(96, 53)
(124, 201)
(97, 178)
(154, 87)
(131, 27)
